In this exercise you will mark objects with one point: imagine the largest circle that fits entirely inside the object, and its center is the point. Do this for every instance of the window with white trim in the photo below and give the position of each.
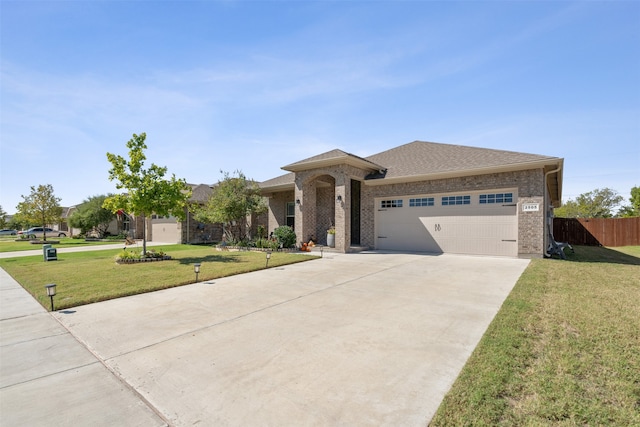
(422, 201)
(456, 200)
(391, 203)
(496, 198)
(291, 214)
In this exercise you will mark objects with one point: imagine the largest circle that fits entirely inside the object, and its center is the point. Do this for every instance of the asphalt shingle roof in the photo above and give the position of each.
(418, 158)
(426, 158)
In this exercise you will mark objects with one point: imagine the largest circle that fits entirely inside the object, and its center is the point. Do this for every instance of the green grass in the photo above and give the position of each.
(17, 245)
(564, 349)
(87, 277)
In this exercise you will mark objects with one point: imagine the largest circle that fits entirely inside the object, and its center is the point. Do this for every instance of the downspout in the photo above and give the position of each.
(547, 216)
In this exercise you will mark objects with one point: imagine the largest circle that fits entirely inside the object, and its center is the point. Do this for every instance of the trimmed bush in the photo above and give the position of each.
(285, 236)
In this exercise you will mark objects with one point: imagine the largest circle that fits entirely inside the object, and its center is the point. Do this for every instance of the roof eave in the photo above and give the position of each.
(278, 188)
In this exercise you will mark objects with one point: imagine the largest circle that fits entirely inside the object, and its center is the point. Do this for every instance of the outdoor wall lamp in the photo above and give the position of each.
(196, 269)
(297, 201)
(51, 292)
(268, 254)
(339, 199)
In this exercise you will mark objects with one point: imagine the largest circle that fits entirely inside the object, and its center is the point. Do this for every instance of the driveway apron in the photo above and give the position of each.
(350, 339)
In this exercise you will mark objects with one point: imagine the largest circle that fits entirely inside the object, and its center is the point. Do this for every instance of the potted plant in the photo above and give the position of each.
(331, 237)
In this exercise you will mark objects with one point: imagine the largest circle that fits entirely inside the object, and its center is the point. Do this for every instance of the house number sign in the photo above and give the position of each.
(530, 207)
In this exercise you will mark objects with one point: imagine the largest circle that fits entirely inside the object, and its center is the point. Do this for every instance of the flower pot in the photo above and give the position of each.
(331, 240)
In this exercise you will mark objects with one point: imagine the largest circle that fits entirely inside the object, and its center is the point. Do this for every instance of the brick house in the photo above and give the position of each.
(170, 230)
(421, 196)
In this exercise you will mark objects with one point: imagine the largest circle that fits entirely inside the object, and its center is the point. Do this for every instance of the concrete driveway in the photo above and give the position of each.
(351, 339)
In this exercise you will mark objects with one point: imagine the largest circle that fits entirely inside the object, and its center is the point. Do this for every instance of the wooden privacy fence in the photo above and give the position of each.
(597, 231)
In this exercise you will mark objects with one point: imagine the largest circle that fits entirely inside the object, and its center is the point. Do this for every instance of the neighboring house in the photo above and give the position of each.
(421, 196)
(170, 230)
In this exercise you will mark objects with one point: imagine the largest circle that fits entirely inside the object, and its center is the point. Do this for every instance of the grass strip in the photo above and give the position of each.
(564, 349)
(18, 245)
(88, 277)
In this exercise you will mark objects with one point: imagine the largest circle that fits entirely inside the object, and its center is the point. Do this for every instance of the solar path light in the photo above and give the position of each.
(51, 292)
(268, 254)
(196, 269)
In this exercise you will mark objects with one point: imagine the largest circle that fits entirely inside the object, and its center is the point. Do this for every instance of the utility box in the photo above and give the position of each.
(49, 253)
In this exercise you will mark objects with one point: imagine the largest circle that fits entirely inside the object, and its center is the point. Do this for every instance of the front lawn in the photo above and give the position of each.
(87, 277)
(564, 349)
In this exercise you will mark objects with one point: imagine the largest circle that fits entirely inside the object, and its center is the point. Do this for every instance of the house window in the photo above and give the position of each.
(291, 214)
(456, 200)
(391, 203)
(424, 201)
(126, 223)
(496, 198)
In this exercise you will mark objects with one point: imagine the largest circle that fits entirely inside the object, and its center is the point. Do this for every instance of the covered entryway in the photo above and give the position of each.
(483, 223)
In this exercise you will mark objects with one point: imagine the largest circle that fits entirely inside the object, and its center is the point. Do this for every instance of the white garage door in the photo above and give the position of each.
(471, 223)
(165, 232)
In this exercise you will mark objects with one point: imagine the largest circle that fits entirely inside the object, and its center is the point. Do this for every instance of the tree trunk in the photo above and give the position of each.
(144, 234)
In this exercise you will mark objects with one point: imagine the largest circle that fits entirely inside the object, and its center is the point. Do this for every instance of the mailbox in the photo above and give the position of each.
(49, 253)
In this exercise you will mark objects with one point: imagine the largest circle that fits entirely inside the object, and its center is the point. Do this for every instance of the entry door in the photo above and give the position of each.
(355, 212)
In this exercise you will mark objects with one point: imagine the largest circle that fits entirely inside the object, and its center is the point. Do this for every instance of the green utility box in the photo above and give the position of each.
(49, 253)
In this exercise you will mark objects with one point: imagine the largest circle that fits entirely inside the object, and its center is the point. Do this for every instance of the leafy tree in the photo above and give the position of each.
(18, 222)
(3, 218)
(598, 203)
(232, 201)
(41, 207)
(147, 192)
(91, 215)
(634, 208)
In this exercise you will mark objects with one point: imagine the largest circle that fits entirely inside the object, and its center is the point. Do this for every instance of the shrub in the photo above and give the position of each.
(261, 232)
(285, 235)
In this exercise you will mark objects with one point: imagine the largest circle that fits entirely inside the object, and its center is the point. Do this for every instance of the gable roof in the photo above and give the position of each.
(200, 192)
(331, 158)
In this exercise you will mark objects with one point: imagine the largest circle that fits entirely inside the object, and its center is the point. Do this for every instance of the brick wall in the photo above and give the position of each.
(319, 209)
(530, 188)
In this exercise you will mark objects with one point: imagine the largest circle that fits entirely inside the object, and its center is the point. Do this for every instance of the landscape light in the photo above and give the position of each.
(51, 292)
(268, 254)
(196, 269)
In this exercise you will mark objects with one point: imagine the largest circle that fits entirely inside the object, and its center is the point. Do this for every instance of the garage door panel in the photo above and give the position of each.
(165, 232)
(465, 229)
(406, 232)
(488, 235)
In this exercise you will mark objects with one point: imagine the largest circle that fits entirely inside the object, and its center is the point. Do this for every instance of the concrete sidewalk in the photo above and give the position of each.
(47, 378)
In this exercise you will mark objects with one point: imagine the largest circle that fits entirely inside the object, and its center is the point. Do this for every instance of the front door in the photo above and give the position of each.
(355, 212)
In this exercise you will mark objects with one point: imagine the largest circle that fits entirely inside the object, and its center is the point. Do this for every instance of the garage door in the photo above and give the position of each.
(165, 232)
(472, 223)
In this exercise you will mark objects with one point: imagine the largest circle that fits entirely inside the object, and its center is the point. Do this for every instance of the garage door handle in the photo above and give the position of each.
(514, 240)
(382, 237)
(511, 205)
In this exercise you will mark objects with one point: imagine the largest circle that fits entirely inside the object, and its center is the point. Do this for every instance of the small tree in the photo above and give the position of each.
(147, 192)
(3, 218)
(598, 203)
(91, 215)
(233, 200)
(40, 207)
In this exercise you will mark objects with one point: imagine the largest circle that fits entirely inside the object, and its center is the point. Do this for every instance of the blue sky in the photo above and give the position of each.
(253, 86)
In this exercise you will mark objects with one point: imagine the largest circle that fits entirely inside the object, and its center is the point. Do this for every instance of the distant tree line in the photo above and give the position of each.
(600, 203)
